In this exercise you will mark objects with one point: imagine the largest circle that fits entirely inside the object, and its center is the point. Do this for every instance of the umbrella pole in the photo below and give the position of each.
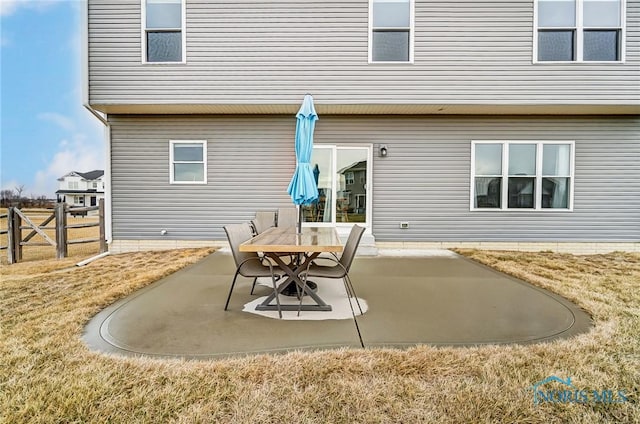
(299, 219)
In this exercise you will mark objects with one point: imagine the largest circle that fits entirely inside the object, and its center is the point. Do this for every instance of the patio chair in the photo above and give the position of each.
(263, 221)
(248, 264)
(287, 217)
(340, 269)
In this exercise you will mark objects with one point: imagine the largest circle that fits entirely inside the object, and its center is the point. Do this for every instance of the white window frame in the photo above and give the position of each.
(504, 195)
(579, 28)
(172, 162)
(334, 186)
(143, 34)
(412, 27)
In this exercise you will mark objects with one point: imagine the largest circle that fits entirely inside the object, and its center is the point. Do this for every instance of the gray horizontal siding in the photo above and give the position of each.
(248, 168)
(425, 179)
(272, 52)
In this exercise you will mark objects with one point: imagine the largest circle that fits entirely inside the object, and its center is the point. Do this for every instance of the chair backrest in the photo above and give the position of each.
(351, 246)
(238, 234)
(264, 220)
(287, 217)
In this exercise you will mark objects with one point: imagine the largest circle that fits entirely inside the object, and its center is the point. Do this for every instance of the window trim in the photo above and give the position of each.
(579, 36)
(171, 161)
(334, 186)
(143, 34)
(504, 197)
(412, 31)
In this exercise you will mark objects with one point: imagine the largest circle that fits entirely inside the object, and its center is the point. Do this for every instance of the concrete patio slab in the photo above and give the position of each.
(182, 315)
(454, 301)
(439, 299)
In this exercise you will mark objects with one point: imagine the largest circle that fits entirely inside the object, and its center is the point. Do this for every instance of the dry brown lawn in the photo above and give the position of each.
(48, 375)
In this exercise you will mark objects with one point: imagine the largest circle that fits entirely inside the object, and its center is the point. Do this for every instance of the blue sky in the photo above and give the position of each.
(45, 130)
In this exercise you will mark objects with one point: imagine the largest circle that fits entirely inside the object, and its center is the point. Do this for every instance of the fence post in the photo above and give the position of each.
(17, 235)
(14, 234)
(103, 240)
(61, 230)
(10, 250)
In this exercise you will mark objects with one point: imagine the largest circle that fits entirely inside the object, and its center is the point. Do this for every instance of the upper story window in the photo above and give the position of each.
(349, 178)
(391, 31)
(580, 30)
(188, 162)
(163, 31)
(73, 185)
(522, 175)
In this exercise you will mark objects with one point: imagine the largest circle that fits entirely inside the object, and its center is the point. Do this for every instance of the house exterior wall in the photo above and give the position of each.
(81, 183)
(81, 199)
(257, 55)
(76, 190)
(424, 180)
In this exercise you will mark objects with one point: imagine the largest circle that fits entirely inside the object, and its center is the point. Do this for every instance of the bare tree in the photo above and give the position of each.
(6, 197)
(41, 201)
(10, 198)
(19, 189)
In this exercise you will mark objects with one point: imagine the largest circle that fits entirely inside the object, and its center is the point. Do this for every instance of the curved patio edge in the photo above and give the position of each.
(440, 300)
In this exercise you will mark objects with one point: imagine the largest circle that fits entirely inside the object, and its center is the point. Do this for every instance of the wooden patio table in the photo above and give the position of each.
(308, 245)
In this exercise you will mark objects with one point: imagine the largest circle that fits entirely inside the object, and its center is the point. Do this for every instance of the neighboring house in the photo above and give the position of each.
(352, 190)
(507, 124)
(81, 188)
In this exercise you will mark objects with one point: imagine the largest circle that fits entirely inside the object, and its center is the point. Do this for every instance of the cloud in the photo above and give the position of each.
(58, 119)
(80, 145)
(9, 7)
(80, 149)
(77, 154)
(10, 185)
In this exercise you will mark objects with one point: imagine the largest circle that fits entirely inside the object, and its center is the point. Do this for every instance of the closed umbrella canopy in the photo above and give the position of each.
(303, 187)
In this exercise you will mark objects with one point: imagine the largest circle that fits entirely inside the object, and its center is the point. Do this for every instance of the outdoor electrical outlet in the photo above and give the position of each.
(163, 232)
(404, 225)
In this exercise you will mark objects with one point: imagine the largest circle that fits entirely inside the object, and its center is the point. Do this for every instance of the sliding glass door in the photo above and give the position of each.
(344, 181)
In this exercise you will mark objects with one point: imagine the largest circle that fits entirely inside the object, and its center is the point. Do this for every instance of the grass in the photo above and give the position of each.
(48, 375)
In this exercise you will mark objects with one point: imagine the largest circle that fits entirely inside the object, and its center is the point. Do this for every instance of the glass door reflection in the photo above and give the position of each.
(351, 190)
(322, 165)
(341, 175)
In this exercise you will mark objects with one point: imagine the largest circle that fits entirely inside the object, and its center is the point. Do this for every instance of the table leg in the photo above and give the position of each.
(293, 275)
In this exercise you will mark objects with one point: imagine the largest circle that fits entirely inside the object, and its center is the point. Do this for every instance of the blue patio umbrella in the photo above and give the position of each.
(303, 187)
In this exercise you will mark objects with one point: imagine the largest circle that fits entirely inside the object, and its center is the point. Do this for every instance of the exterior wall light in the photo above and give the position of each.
(383, 151)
